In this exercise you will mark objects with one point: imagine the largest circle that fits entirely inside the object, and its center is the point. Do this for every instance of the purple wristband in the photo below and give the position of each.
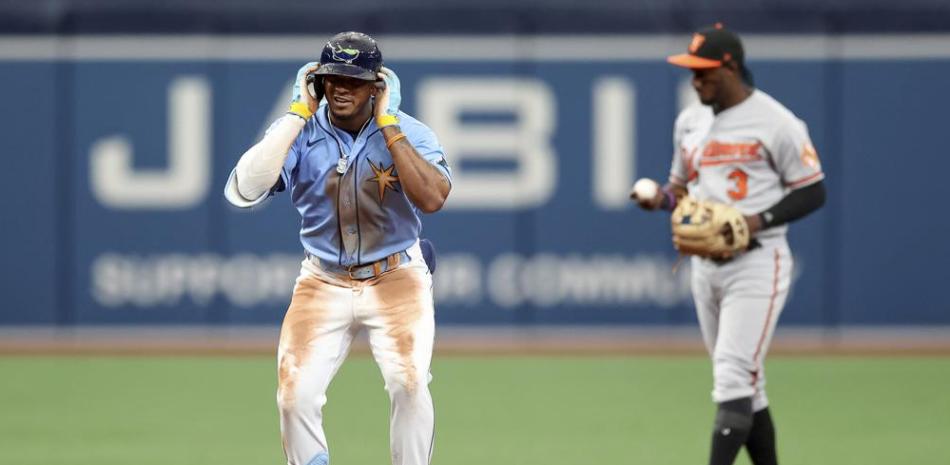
(669, 200)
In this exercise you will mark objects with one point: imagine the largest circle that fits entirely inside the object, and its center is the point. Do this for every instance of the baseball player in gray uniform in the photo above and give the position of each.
(360, 172)
(742, 148)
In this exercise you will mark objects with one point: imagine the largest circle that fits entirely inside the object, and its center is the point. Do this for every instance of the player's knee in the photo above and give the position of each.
(287, 371)
(728, 374)
(294, 404)
(402, 389)
(286, 399)
(733, 376)
(295, 393)
(407, 386)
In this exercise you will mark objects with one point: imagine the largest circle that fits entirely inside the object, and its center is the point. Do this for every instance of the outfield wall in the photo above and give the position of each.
(120, 146)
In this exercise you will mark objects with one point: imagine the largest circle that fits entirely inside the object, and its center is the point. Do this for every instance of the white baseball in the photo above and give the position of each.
(645, 188)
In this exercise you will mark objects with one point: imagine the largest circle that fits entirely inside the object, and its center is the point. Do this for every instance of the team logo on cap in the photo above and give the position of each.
(697, 42)
(346, 55)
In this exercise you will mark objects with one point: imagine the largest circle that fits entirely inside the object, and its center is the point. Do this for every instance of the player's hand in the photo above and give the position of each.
(754, 223)
(652, 203)
(311, 98)
(388, 97)
(648, 194)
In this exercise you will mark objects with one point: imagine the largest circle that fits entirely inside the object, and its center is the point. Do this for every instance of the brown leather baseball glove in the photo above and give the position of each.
(709, 229)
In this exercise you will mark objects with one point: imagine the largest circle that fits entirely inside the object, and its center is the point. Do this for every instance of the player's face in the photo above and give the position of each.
(708, 83)
(348, 97)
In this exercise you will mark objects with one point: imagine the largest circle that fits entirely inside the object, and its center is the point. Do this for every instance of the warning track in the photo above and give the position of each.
(458, 340)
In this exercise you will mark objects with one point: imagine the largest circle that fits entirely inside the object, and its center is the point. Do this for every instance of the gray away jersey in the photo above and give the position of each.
(748, 156)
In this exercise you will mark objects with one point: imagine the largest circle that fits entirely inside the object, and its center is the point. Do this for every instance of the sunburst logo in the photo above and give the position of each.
(384, 179)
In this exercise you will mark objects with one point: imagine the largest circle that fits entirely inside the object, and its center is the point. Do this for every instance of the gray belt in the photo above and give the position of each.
(369, 270)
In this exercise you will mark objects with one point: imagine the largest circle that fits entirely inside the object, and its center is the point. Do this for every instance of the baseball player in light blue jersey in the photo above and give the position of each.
(359, 171)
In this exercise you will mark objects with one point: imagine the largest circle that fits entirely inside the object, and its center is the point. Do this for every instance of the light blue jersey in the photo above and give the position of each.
(362, 215)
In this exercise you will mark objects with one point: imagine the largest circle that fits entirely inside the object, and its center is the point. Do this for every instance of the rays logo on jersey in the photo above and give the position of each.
(346, 55)
(385, 178)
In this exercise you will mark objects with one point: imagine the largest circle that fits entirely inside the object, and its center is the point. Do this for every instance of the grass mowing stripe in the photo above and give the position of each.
(650, 410)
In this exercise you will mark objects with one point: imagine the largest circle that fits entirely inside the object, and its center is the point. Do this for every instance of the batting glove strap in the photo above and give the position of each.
(300, 109)
(386, 120)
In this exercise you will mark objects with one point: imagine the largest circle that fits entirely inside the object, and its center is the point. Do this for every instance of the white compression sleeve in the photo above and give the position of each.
(259, 167)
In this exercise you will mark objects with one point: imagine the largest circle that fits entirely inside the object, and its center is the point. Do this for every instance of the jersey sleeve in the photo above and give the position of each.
(427, 145)
(679, 174)
(794, 156)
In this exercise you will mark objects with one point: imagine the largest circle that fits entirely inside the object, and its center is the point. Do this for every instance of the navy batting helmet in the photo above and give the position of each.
(352, 54)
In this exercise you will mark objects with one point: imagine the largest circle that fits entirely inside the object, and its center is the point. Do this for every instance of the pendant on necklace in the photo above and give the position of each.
(341, 165)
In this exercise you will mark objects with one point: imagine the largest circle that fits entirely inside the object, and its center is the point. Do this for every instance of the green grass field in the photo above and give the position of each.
(533, 410)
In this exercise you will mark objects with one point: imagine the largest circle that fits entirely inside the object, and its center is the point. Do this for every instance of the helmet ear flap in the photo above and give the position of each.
(315, 86)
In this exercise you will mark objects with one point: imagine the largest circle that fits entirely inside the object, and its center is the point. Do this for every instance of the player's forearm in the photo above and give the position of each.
(258, 169)
(424, 184)
(797, 204)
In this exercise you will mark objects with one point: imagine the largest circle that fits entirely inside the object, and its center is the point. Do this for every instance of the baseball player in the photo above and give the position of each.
(360, 172)
(742, 148)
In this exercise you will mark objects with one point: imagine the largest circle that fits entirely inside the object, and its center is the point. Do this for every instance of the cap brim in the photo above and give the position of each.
(343, 69)
(686, 60)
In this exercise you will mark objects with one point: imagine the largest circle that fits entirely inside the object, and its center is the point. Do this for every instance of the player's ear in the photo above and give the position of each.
(733, 66)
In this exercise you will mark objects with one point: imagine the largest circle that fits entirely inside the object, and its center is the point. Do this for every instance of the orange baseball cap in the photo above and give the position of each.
(710, 48)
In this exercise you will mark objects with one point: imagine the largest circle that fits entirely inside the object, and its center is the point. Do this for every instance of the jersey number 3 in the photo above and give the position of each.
(742, 184)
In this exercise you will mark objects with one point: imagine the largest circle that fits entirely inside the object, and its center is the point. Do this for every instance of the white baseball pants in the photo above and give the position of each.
(325, 314)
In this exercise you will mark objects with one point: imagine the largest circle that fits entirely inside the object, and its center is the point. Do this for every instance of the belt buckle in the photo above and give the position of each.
(390, 262)
(349, 272)
(356, 269)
